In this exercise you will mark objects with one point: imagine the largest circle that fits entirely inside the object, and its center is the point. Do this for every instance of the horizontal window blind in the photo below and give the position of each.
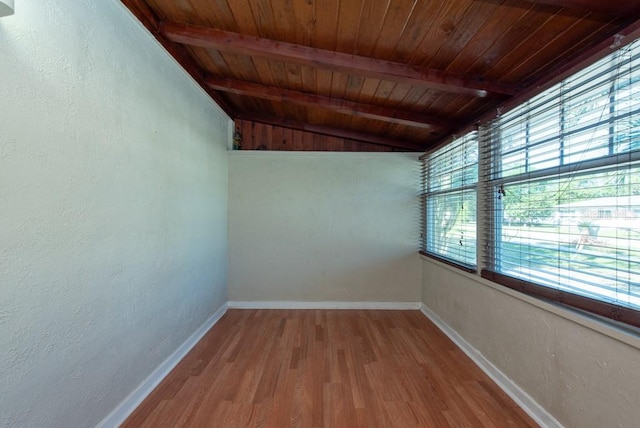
(560, 189)
(450, 176)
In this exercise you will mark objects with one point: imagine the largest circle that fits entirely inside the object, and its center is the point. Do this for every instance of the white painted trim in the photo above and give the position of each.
(517, 394)
(133, 400)
(400, 306)
(317, 154)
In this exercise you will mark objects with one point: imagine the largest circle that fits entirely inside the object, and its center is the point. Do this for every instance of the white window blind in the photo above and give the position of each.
(450, 176)
(561, 190)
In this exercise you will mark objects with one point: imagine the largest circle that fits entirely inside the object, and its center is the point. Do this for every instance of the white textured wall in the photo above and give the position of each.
(113, 227)
(323, 227)
(583, 372)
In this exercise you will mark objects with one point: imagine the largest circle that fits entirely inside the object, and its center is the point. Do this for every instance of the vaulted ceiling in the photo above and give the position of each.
(405, 74)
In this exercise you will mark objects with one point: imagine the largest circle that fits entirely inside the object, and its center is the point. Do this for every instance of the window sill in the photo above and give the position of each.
(623, 333)
(448, 262)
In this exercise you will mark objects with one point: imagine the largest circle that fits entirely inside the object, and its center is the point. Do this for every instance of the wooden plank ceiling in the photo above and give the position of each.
(392, 74)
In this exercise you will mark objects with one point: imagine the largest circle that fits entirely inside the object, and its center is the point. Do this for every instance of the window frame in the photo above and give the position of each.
(429, 195)
(489, 216)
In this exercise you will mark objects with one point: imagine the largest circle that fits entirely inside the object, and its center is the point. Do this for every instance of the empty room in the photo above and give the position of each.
(319, 213)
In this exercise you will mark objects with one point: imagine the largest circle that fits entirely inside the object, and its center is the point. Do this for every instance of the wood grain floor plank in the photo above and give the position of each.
(327, 368)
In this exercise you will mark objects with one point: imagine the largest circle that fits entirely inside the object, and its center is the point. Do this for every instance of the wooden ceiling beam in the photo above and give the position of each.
(333, 132)
(147, 17)
(337, 61)
(609, 7)
(271, 93)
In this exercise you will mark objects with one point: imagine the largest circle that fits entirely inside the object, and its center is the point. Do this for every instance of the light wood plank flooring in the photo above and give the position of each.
(327, 368)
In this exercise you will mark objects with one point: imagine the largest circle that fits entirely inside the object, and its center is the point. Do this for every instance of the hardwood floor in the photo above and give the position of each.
(327, 368)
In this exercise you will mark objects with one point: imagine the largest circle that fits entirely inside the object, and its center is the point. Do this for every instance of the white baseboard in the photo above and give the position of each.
(398, 306)
(133, 400)
(129, 404)
(524, 400)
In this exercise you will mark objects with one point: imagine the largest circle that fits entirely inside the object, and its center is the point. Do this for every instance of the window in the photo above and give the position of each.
(450, 176)
(564, 190)
(558, 192)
